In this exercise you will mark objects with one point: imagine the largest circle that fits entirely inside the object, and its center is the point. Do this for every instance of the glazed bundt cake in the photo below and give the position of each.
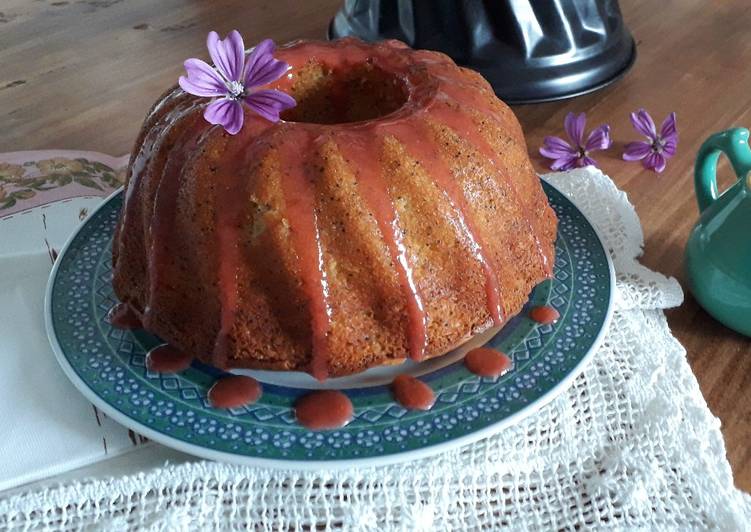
(392, 213)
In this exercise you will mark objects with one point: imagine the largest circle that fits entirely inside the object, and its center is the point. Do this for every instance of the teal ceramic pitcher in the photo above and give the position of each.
(718, 254)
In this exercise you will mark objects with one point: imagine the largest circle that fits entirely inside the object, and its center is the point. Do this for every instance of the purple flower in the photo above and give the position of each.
(564, 155)
(654, 153)
(235, 80)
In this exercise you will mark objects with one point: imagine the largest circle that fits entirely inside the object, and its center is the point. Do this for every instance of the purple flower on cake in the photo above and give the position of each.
(235, 79)
(659, 147)
(575, 155)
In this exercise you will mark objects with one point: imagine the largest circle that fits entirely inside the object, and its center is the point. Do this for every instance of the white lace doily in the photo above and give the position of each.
(630, 444)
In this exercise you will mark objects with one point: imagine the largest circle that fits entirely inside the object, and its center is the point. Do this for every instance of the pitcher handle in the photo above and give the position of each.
(731, 142)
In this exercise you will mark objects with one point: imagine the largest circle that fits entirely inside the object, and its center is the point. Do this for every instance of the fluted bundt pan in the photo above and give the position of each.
(529, 51)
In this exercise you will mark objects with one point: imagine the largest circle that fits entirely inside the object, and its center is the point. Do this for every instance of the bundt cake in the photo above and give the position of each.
(392, 213)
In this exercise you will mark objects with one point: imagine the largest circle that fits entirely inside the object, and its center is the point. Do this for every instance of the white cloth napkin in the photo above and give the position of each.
(47, 425)
(631, 444)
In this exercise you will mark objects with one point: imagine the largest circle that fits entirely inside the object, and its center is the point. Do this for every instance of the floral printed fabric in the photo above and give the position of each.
(29, 179)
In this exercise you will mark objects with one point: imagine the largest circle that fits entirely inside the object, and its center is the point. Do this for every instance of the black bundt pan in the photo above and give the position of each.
(530, 50)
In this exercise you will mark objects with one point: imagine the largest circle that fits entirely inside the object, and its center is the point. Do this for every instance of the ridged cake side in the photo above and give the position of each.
(333, 247)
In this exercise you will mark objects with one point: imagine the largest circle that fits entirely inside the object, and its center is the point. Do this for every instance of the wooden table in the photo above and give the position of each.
(82, 74)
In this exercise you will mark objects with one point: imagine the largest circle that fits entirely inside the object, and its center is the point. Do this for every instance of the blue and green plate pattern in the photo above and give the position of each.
(108, 366)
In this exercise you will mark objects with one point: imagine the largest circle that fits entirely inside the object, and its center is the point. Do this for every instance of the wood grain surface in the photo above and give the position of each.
(82, 74)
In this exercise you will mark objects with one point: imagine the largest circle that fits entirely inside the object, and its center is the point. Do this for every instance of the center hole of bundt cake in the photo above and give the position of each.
(362, 92)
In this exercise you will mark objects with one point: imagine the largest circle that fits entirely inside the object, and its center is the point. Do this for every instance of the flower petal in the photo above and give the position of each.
(574, 126)
(556, 147)
(228, 55)
(654, 161)
(564, 163)
(264, 48)
(599, 139)
(644, 124)
(670, 146)
(587, 161)
(269, 103)
(265, 73)
(669, 128)
(202, 80)
(227, 113)
(636, 151)
(261, 68)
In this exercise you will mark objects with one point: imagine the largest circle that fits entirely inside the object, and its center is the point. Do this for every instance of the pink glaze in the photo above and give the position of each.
(412, 393)
(167, 359)
(544, 314)
(324, 410)
(487, 362)
(234, 391)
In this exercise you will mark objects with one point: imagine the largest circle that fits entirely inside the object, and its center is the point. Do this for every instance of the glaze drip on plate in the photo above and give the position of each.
(324, 410)
(412, 393)
(167, 359)
(122, 316)
(487, 362)
(544, 314)
(234, 391)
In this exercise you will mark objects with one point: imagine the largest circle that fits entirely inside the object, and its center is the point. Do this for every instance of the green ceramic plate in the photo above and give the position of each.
(108, 366)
